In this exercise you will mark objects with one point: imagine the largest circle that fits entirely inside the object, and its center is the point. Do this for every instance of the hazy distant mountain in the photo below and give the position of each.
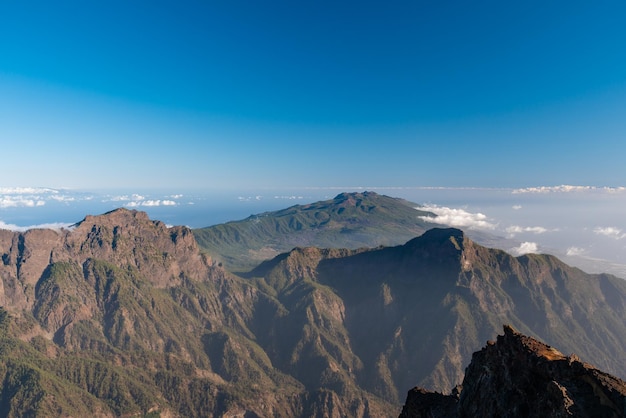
(124, 316)
(350, 220)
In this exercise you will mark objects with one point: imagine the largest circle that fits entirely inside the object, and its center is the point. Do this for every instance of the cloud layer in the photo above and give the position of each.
(458, 218)
(30, 197)
(136, 200)
(17, 228)
(516, 229)
(575, 251)
(526, 248)
(568, 189)
(150, 203)
(610, 232)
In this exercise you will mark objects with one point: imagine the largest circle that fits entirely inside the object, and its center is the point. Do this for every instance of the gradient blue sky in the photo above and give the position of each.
(245, 94)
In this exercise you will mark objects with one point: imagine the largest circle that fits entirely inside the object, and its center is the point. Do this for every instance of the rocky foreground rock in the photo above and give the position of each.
(519, 376)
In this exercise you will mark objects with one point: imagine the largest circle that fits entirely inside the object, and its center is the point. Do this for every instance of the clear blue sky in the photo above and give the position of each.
(235, 94)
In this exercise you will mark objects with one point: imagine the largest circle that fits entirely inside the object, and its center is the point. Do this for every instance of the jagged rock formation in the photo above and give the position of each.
(124, 316)
(411, 314)
(519, 376)
(121, 237)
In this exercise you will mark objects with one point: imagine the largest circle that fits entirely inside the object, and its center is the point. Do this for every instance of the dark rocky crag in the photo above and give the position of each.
(519, 376)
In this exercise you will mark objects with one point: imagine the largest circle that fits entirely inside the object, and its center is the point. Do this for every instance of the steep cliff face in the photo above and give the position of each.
(120, 237)
(116, 310)
(519, 376)
(399, 316)
(124, 316)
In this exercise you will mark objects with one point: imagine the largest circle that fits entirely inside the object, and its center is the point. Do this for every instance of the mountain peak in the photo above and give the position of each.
(519, 375)
(444, 234)
(439, 243)
(355, 195)
(123, 237)
(117, 216)
(350, 220)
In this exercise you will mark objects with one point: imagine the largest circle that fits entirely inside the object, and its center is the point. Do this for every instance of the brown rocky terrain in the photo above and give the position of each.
(126, 317)
(120, 237)
(519, 376)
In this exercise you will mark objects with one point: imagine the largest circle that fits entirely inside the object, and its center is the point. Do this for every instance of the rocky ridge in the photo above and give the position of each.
(125, 316)
(121, 237)
(519, 376)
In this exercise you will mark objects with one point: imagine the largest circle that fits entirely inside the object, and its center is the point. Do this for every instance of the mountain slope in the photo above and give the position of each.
(410, 314)
(123, 316)
(350, 220)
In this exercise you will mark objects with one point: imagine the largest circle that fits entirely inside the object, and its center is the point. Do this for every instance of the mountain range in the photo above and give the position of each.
(349, 220)
(123, 316)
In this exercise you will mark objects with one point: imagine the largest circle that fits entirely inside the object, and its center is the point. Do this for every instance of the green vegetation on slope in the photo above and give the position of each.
(350, 220)
(93, 323)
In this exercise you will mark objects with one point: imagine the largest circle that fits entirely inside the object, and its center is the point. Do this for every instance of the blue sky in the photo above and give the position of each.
(243, 94)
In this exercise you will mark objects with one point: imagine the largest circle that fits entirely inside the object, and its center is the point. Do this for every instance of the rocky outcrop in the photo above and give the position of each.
(126, 316)
(122, 237)
(126, 313)
(519, 376)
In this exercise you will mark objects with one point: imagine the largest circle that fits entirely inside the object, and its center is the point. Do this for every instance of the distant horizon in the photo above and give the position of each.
(206, 112)
(573, 222)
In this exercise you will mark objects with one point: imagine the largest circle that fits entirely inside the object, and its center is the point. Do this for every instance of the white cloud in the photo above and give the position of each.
(26, 190)
(126, 198)
(63, 198)
(565, 188)
(150, 203)
(250, 198)
(525, 248)
(292, 197)
(610, 231)
(16, 228)
(23, 197)
(137, 200)
(517, 207)
(459, 218)
(516, 229)
(574, 251)
(19, 202)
